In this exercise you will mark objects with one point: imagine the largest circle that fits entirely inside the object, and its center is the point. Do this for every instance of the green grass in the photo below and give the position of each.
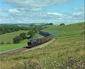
(11, 46)
(52, 29)
(8, 37)
(66, 31)
(67, 50)
(73, 30)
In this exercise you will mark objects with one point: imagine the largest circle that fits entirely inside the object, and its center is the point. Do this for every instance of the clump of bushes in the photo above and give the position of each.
(17, 39)
(62, 24)
(23, 36)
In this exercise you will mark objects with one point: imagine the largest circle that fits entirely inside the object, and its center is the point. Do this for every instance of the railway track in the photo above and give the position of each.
(22, 48)
(12, 51)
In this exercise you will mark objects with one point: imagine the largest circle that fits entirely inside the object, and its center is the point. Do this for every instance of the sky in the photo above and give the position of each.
(41, 11)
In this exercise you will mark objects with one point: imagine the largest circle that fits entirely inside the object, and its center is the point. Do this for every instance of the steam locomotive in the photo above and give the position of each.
(35, 42)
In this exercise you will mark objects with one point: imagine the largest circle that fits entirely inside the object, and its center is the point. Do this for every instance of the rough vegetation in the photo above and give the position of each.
(11, 28)
(18, 36)
(66, 52)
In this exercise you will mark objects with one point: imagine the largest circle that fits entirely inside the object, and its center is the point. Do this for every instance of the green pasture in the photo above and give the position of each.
(8, 37)
(67, 51)
(11, 46)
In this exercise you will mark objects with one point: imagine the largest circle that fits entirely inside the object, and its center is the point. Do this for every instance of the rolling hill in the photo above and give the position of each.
(67, 51)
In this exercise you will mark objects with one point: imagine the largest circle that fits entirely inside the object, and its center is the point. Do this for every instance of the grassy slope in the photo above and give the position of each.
(11, 46)
(53, 30)
(69, 43)
(66, 31)
(8, 37)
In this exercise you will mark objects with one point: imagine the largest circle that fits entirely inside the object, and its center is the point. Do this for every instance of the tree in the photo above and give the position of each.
(31, 33)
(23, 35)
(35, 29)
(62, 24)
(50, 23)
(17, 39)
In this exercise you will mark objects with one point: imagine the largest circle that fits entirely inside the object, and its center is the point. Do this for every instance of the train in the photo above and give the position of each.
(47, 37)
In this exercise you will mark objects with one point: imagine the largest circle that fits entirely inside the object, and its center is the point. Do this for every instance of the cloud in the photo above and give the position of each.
(13, 11)
(79, 15)
(79, 9)
(34, 5)
(18, 16)
(57, 14)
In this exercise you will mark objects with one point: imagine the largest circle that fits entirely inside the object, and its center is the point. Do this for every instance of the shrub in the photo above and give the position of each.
(17, 39)
(62, 24)
(23, 35)
(2, 42)
(50, 23)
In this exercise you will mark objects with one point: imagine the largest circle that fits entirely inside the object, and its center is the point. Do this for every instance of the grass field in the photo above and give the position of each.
(8, 37)
(66, 31)
(11, 46)
(53, 30)
(66, 52)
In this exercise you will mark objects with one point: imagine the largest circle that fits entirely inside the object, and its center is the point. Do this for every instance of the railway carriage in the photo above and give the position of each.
(36, 42)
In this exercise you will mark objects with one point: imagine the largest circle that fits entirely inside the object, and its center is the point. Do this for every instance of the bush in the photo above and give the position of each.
(31, 33)
(23, 35)
(62, 24)
(2, 42)
(50, 23)
(17, 39)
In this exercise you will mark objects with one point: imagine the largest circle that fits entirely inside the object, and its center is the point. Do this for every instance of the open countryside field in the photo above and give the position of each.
(66, 31)
(11, 46)
(8, 37)
(67, 51)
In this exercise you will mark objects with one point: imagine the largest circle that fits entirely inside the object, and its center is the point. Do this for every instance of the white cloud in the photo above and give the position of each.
(58, 14)
(18, 16)
(28, 17)
(79, 9)
(13, 11)
(34, 5)
(80, 13)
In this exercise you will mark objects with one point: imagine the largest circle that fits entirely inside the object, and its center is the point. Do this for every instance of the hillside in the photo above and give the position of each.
(66, 31)
(67, 51)
(8, 37)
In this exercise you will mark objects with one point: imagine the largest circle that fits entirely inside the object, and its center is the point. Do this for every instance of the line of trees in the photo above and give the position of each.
(9, 28)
